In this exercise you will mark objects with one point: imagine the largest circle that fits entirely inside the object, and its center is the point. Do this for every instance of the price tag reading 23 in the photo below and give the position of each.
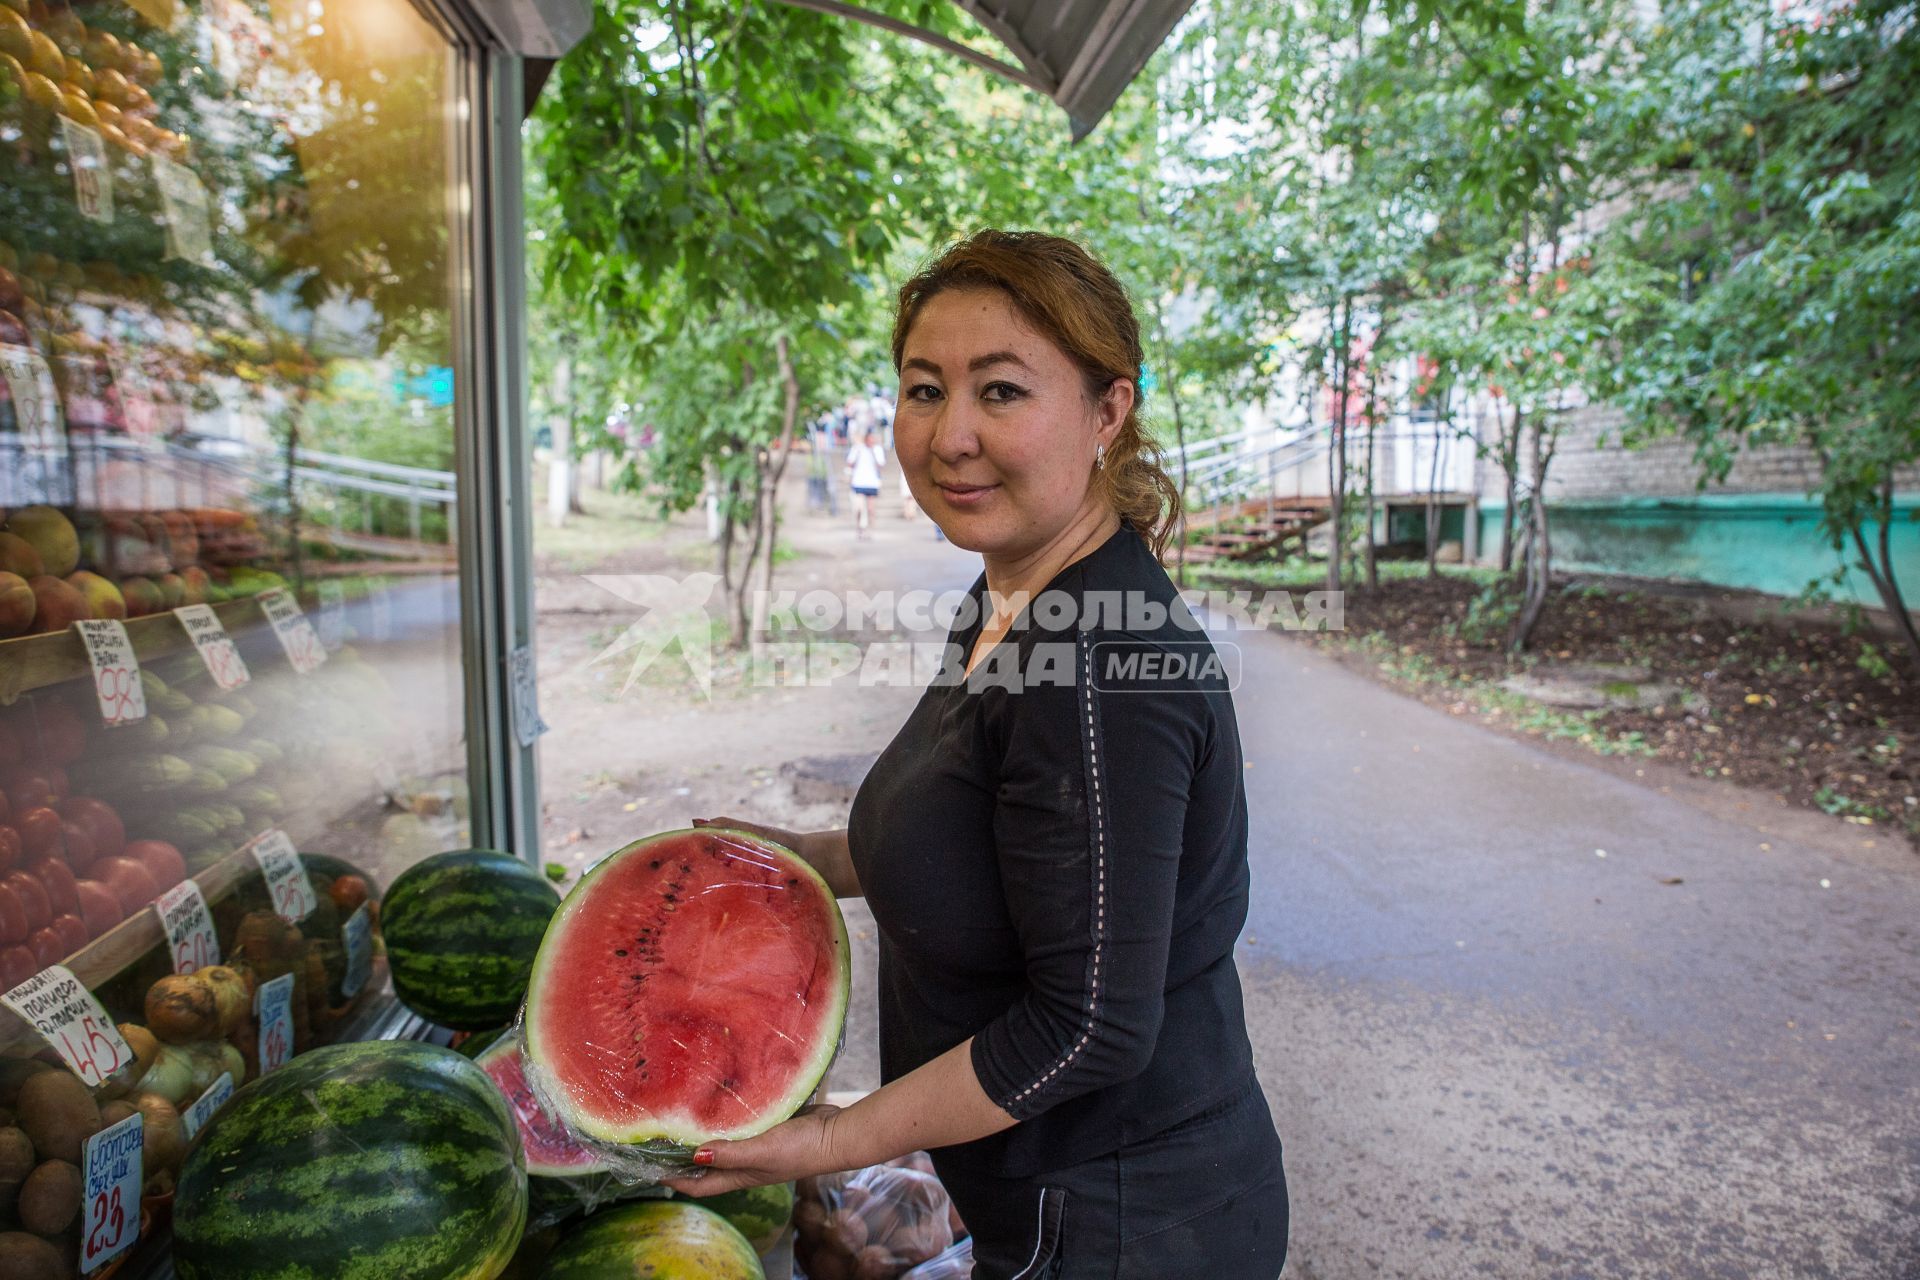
(114, 1161)
(287, 883)
(55, 1004)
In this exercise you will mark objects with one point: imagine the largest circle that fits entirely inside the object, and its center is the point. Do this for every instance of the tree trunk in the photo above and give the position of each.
(1337, 448)
(1442, 426)
(1373, 570)
(790, 382)
(1539, 558)
(1881, 573)
(1510, 468)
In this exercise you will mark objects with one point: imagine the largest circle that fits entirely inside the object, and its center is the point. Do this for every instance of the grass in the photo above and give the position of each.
(1310, 574)
(613, 522)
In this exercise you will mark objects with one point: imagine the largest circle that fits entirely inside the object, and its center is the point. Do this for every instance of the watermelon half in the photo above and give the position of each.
(692, 986)
(551, 1151)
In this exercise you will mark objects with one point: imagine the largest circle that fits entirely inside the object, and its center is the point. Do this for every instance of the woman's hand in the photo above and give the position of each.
(798, 1148)
(794, 840)
(824, 851)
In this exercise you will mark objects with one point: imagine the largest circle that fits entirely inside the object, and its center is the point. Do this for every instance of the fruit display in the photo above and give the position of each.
(668, 949)
(461, 930)
(653, 1238)
(387, 1158)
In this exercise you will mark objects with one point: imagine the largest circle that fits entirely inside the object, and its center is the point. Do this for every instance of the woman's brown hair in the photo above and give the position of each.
(1065, 293)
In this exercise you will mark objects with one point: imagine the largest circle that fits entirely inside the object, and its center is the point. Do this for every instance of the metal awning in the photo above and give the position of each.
(1080, 53)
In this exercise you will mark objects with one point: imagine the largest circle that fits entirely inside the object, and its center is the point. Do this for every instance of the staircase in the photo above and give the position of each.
(1269, 526)
(1230, 483)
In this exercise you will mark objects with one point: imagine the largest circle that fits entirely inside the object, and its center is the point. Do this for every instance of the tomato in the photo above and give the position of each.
(99, 907)
(348, 892)
(130, 881)
(73, 933)
(39, 831)
(162, 861)
(31, 788)
(62, 736)
(33, 899)
(101, 823)
(16, 966)
(10, 848)
(13, 919)
(59, 883)
(46, 947)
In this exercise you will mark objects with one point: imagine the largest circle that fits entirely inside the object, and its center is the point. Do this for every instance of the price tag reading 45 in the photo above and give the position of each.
(68, 1017)
(116, 672)
(287, 882)
(114, 1172)
(296, 633)
(275, 1001)
(188, 925)
(215, 645)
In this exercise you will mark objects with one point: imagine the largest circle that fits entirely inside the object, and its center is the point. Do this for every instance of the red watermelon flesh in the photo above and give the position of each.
(551, 1151)
(692, 986)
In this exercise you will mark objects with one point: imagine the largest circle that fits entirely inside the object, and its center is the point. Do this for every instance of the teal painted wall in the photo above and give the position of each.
(1763, 542)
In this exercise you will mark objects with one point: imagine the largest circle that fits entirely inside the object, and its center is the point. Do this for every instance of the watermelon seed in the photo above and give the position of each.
(619, 951)
(655, 865)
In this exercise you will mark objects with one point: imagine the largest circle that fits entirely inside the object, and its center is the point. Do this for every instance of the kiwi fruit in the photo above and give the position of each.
(59, 1114)
(50, 1199)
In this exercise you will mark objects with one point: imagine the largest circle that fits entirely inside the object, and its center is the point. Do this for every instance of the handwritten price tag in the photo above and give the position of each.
(36, 402)
(116, 672)
(188, 924)
(275, 1008)
(92, 179)
(68, 1017)
(216, 647)
(333, 616)
(296, 633)
(287, 882)
(113, 1164)
(184, 200)
(209, 1103)
(356, 936)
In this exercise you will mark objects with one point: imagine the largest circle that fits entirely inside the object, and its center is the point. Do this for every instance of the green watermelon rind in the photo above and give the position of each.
(671, 1148)
(458, 957)
(639, 1239)
(761, 1214)
(382, 1158)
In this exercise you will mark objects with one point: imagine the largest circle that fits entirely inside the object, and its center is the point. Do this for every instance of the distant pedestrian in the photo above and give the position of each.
(864, 462)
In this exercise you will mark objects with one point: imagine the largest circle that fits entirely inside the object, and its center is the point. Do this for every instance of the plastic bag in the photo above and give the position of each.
(954, 1264)
(875, 1224)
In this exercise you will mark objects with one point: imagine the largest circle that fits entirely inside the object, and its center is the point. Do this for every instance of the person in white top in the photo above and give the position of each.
(864, 462)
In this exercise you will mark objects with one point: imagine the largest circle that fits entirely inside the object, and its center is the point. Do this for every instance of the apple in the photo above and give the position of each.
(51, 535)
(57, 604)
(103, 598)
(17, 605)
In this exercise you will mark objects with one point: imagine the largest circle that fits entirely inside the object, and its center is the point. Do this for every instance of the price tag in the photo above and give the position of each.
(36, 402)
(113, 1164)
(216, 647)
(527, 724)
(380, 614)
(211, 1101)
(333, 616)
(275, 1009)
(188, 925)
(67, 1017)
(296, 633)
(184, 200)
(92, 179)
(116, 672)
(287, 883)
(356, 935)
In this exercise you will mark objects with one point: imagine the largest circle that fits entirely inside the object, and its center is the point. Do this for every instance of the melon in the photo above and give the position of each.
(692, 986)
(461, 930)
(389, 1158)
(664, 1239)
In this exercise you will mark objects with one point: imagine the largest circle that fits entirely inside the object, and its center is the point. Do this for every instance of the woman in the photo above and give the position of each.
(863, 472)
(1058, 866)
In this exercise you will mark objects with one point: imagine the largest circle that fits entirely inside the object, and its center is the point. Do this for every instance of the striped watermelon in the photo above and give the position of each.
(760, 1214)
(461, 930)
(388, 1158)
(717, 962)
(662, 1239)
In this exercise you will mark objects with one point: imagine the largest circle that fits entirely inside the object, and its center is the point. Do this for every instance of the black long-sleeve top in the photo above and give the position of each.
(1055, 852)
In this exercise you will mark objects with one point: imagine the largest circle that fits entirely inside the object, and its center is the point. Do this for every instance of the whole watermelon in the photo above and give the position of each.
(661, 1239)
(462, 929)
(387, 1158)
(760, 1214)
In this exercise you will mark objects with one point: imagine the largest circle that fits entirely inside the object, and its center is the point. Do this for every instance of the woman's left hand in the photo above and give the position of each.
(798, 1148)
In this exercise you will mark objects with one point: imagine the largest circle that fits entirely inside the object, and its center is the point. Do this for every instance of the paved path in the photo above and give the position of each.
(1493, 1052)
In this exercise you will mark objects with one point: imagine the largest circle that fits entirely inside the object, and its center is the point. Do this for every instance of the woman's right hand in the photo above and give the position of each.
(824, 851)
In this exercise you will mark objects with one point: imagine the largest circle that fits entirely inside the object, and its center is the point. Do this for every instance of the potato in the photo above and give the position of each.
(14, 1072)
(28, 1257)
(143, 1044)
(16, 1162)
(50, 1200)
(58, 1114)
(166, 1134)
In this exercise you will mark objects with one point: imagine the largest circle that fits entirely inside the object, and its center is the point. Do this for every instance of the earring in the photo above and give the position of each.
(1099, 456)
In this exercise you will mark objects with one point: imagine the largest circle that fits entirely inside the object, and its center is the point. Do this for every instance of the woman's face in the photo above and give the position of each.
(993, 427)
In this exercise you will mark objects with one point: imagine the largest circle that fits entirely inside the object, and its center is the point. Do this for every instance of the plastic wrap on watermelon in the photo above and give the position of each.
(692, 986)
(564, 1178)
(881, 1222)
